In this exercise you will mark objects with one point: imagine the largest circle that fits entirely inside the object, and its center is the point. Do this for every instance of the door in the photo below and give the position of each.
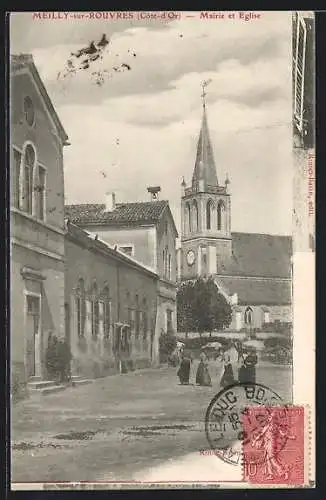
(33, 336)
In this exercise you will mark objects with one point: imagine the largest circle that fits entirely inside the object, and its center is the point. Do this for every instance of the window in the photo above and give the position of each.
(166, 227)
(15, 178)
(188, 218)
(137, 317)
(95, 313)
(145, 318)
(106, 312)
(29, 162)
(80, 308)
(248, 316)
(195, 215)
(266, 317)
(166, 263)
(127, 249)
(169, 267)
(40, 193)
(204, 259)
(145, 321)
(220, 213)
(29, 111)
(209, 215)
(169, 325)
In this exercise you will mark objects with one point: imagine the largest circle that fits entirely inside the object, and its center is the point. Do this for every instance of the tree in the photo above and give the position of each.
(185, 295)
(167, 342)
(200, 307)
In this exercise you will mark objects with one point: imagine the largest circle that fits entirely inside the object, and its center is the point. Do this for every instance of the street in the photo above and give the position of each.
(119, 428)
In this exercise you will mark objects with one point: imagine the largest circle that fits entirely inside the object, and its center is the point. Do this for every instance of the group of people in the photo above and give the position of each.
(246, 372)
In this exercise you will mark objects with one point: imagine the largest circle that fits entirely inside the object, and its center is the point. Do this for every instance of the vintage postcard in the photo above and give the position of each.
(162, 170)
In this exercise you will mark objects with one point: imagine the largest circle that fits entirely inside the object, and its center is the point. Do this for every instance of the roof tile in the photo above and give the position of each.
(125, 213)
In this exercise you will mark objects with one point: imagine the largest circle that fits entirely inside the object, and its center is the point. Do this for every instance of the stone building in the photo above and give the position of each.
(146, 232)
(37, 138)
(253, 271)
(111, 306)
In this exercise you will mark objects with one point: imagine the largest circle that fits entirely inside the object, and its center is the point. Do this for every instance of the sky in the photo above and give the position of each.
(140, 127)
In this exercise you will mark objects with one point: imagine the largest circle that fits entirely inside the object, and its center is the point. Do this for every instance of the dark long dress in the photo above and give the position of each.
(184, 371)
(202, 376)
(247, 372)
(227, 377)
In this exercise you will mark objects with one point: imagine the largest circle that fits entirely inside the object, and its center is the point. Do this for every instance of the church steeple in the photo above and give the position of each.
(205, 170)
(206, 239)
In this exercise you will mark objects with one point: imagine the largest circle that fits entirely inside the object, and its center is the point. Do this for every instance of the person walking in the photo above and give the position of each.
(228, 376)
(202, 376)
(247, 371)
(184, 369)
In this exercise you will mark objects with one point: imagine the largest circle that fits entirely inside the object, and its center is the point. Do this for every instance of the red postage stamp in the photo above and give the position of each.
(273, 445)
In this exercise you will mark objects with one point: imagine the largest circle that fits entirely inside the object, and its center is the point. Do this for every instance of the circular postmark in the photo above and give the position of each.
(240, 418)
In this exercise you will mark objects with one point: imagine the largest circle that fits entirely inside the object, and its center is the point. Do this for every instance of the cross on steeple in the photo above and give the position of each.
(203, 94)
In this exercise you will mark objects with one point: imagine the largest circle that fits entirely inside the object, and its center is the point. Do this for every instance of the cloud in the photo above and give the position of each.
(163, 55)
(154, 110)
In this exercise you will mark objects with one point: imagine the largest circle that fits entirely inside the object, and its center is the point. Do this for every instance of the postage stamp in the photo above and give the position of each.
(162, 244)
(273, 447)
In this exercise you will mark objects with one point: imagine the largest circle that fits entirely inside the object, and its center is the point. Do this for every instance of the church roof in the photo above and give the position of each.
(124, 214)
(205, 168)
(257, 291)
(260, 269)
(259, 255)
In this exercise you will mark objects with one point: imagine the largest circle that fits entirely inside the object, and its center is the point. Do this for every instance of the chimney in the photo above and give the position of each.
(109, 202)
(154, 190)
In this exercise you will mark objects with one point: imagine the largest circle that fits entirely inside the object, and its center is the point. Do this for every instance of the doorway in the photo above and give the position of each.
(33, 334)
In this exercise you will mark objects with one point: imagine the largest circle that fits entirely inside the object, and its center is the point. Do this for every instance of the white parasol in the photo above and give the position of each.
(257, 344)
(212, 345)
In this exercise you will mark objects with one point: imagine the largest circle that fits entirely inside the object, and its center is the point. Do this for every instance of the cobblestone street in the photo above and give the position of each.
(117, 428)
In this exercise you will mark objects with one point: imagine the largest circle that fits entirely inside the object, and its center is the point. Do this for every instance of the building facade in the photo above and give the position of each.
(37, 139)
(146, 232)
(252, 271)
(111, 307)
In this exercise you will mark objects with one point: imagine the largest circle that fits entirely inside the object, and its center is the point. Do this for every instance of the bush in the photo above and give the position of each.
(278, 342)
(277, 327)
(167, 343)
(58, 358)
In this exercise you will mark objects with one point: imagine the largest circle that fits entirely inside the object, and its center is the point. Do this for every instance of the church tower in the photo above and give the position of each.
(206, 243)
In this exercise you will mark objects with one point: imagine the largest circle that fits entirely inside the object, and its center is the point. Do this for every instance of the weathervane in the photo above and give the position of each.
(204, 84)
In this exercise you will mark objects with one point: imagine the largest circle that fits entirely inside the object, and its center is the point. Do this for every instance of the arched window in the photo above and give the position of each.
(209, 211)
(220, 215)
(15, 179)
(166, 257)
(28, 171)
(145, 318)
(195, 215)
(95, 313)
(106, 311)
(80, 307)
(188, 218)
(137, 317)
(169, 267)
(248, 316)
(128, 308)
